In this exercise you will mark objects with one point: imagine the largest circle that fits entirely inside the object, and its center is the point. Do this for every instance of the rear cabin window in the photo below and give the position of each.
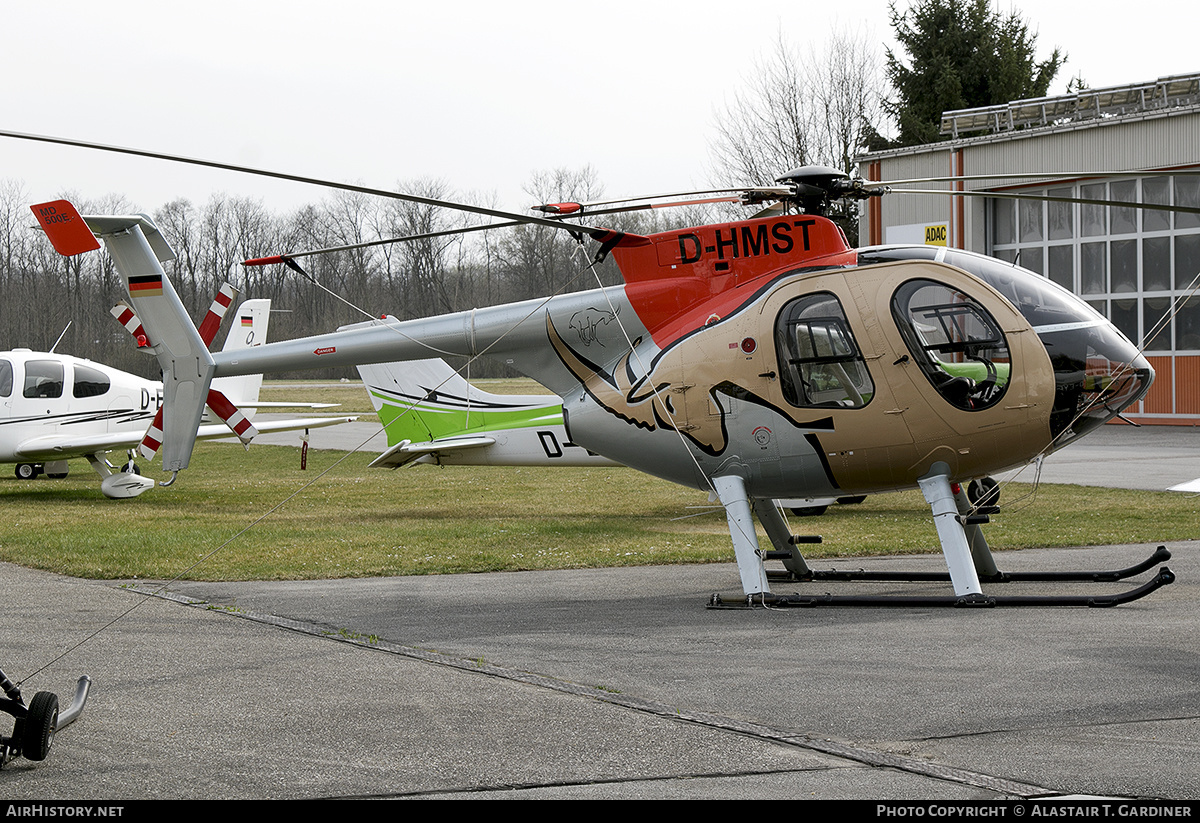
(89, 382)
(820, 363)
(43, 378)
(954, 340)
(6, 378)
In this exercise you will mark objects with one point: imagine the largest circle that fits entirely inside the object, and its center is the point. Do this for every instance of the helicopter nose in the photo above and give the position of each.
(1098, 373)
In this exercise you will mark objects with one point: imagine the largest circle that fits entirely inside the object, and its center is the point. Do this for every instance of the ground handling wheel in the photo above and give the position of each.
(39, 725)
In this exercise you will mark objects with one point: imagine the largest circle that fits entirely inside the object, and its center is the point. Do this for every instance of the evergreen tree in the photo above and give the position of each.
(960, 54)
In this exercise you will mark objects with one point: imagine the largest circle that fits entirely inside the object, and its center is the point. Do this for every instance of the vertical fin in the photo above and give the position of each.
(137, 249)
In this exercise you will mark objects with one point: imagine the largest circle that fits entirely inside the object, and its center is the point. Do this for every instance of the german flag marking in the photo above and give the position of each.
(149, 285)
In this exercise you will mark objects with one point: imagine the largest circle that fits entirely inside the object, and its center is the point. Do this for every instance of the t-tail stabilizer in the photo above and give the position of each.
(138, 251)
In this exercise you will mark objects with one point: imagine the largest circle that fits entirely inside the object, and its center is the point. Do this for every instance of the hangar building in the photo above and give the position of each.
(1138, 267)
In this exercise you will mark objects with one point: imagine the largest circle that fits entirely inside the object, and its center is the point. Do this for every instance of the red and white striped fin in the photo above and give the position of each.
(216, 313)
(132, 324)
(153, 438)
(232, 416)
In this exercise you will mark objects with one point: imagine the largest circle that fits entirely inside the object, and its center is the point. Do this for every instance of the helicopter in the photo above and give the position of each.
(759, 359)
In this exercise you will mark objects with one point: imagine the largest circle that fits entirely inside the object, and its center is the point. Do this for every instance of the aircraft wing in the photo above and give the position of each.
(280, 404)
(406, 452)
(61, 447)
(218, 430)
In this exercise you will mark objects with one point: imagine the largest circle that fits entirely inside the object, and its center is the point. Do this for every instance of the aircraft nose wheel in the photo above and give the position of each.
(984, 492)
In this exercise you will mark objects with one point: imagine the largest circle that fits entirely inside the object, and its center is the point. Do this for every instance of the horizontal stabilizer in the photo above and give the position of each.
(405, 452)
(283, 404)
(67, 231)
(220, 431)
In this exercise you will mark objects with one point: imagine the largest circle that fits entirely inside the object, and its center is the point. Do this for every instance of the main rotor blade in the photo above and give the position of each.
(738, 192)
(579, 210)
(1033, 177)
(594, 233)
(1125, 204)
(279, 258)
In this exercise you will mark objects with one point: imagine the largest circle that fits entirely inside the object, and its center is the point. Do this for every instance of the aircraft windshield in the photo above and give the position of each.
(1097, 371)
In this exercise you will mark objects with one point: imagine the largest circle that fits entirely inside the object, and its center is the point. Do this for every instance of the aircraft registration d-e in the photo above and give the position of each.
(760, 360)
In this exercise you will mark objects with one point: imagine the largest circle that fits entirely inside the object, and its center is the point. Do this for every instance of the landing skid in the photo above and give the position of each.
(769, 600)
(1160, 555)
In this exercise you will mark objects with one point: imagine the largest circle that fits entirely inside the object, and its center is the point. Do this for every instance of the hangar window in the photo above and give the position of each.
(819, 361)
(89, 382)
(957, 344)
(43, 378)
(1109, 251)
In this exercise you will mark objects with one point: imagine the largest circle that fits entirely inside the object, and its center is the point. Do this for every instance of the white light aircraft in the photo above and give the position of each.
(55, 407)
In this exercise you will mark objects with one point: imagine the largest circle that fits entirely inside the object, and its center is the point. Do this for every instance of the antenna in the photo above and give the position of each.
(61, 336)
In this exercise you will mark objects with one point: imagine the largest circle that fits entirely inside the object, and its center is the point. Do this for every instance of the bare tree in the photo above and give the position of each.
(849, 107)
(822, 108)
(536, 260)
(766, 129)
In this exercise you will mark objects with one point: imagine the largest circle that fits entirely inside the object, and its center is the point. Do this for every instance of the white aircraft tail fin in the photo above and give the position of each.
(432, 414)
(249, 328)
(427, 399)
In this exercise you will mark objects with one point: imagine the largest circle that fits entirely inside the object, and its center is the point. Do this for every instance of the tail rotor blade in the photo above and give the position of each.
(232, 415)
(126, 317)
(153, 438)
(216, 313)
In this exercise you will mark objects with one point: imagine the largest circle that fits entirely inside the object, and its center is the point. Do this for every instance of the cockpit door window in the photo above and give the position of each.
(820, 363)
(954, 340)
(43, 378)
(89, 382)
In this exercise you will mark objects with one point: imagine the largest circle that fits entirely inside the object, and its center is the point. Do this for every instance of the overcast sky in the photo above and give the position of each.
(478, 94)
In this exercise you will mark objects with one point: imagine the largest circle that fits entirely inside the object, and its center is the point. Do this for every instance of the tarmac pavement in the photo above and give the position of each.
(620, 683)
